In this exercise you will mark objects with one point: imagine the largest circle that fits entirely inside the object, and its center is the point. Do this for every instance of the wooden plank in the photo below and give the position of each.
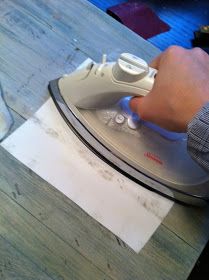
(41, 246)
(164, 257)
(14, 265)
(74, 20)
(173, 262)
(44, 50)
(25, 81)
(39, 41)
(18, 121)
(189, 223)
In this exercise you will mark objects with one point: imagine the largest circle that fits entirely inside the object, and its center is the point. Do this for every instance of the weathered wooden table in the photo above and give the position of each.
(44, 235)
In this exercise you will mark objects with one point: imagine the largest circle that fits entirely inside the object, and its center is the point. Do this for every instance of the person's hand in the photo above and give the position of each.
(181, 88)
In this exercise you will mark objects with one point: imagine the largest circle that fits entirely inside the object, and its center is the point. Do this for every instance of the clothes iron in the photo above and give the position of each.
(94, 101)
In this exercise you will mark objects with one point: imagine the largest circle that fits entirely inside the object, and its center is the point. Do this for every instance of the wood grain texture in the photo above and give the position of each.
(41, 246)
(15, 265)
(39, 41)
(28, 29)
(90, 239)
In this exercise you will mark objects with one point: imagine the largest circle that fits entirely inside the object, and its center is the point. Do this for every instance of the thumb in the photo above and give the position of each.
(137, 105)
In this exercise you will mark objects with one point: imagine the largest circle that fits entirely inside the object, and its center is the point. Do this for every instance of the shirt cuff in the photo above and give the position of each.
(198, 137)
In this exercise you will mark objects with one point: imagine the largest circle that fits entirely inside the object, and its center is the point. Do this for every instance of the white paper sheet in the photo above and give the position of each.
(46, 145)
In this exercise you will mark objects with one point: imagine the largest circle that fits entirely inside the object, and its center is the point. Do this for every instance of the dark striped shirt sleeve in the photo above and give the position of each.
(198, 137)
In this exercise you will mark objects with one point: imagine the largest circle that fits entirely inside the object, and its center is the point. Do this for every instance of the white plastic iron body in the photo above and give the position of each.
(156, 159)
(102, 85)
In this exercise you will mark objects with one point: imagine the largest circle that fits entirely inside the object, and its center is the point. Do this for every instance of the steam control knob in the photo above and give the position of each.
(129, 68)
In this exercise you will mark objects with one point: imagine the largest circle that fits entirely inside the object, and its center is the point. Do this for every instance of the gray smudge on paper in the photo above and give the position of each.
(106, 174)
(150, 204)
(47, 129)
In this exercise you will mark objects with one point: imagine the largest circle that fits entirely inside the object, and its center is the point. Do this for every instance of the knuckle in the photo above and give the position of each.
(174, 51)
(198, 51)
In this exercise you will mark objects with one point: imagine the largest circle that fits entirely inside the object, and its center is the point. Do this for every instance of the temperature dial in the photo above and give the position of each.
(130, 68)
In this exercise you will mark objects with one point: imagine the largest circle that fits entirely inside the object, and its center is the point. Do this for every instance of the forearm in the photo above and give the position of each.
(198, 137)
